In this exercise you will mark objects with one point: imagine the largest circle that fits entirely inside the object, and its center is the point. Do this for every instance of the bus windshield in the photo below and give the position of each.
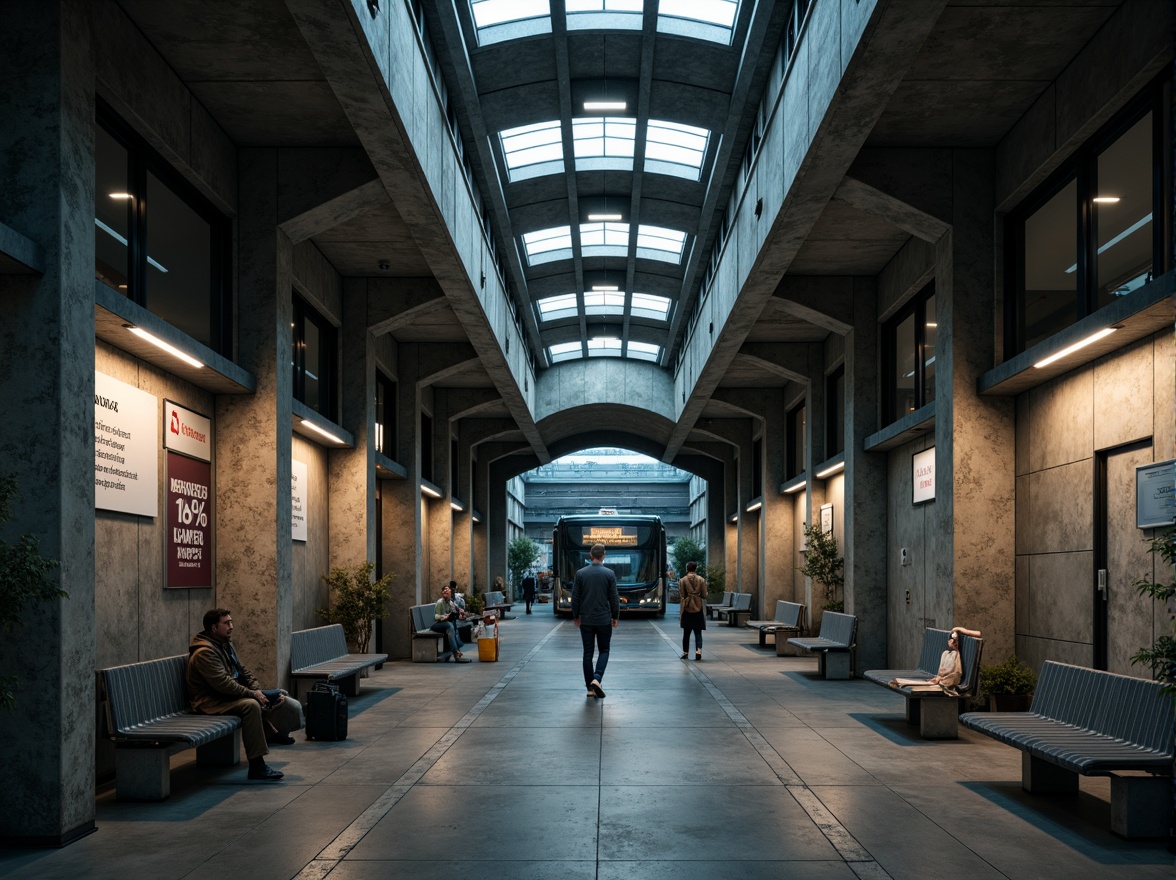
(630, 549)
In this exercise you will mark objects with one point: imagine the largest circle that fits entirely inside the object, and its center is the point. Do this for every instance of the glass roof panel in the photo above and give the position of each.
(609, 137)
(604, 302)
(659, 243)
(603, 14)
(711, 20)
(604, 346)
(553, 308)
(527, 146)
(564, 351)
(488, 13)
(546, 245)
(604, 239)
(644, 351)
(674, 148)
(646, 305)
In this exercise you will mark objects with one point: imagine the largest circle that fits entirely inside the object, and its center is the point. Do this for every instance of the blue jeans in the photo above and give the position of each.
(451, 637)
(595, 636)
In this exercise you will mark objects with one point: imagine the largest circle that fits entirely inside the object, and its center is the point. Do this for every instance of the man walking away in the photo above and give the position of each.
(596, 610)
(529, 590)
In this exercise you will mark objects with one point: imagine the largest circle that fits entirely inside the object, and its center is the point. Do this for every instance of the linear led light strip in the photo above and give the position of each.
(306, 423)
(1093, 337)
(159, 343)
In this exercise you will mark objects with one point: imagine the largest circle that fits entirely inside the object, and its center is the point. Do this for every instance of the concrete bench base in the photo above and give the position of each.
(834, 665)
(1140, 804)
(428, 647)
(143, 773)
(936, 717)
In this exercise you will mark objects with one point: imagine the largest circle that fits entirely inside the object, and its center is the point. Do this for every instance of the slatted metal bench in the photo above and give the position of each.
(1094, 723)
(789, 620)
(725, 602)
(833, 646)
(935, 712)
(320, 654)
(496, 604)
(740, 607)
(428, 646)
(148, 719)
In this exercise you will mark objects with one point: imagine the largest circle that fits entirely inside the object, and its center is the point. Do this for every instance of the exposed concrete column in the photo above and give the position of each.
(499, 473)
(865, 483)
(254, 550)
(775, 551)
(974, 436)
(439, 565)
(352, 496)
(47, 379)
(463, 522)
(731, 529)
(479, 533)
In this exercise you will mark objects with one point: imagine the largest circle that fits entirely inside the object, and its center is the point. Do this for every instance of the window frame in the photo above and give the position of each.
(328, 348)
(834, 412)
(916, 306)
(793, 444)
(385, 439)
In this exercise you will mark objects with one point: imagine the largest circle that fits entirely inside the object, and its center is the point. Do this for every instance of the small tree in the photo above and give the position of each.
(687, 550)
(24, 582)
(1161, 655)
(520, 556)
(716, 582)
(355, 601)
(823, 565)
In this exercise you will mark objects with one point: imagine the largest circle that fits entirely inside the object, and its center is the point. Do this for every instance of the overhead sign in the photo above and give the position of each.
(187, 432)
(189, 522)
(298, 488)
(615, 536)
(923, 472)
(126, 448)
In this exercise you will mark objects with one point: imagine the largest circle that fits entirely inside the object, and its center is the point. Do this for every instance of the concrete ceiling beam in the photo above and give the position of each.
(396, 303)
(321, 187)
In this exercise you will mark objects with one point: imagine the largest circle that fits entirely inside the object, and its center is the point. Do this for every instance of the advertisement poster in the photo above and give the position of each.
(189, 522)
(187, 432)
(1155, 500)
(298, 500)
(923, 471)
(126, 464)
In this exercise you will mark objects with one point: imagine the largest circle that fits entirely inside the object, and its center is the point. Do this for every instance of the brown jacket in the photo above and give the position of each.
(691, 593)
(214, 674)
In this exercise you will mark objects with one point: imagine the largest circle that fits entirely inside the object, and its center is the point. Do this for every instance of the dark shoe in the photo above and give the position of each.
(596, 688)
(265, 773)
(698, 655)
(280, 739)
(683, 657)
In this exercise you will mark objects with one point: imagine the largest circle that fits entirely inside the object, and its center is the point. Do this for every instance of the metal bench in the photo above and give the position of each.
(1094, 723)
(740, 607)
(428, 646)
(789, 619)
(148, 719)
(833, 646)
(496, 604)
(321, 654)
(935, 712)
(724, 602)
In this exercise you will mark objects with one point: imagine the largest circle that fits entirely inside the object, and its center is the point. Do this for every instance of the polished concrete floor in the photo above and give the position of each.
(745, 765)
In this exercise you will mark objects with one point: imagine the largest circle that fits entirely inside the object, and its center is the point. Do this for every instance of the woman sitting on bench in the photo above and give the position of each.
(951, 670)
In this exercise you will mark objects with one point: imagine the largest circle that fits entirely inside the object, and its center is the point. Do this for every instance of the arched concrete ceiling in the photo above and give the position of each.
(603, 381)
(604, 422)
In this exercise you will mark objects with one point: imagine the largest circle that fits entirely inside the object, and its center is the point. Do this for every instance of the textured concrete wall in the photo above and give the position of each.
(312, 559)
(906, 529)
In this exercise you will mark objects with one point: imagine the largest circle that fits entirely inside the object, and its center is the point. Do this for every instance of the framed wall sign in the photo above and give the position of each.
(1155, 501)
(827, 518)
(923, 474)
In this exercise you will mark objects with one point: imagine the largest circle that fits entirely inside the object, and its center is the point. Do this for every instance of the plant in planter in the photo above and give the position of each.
(716, 583)
(823, 565)
(1008, 685)
(520, 556)
(355, 601)
(1161, 656)
(474, 604)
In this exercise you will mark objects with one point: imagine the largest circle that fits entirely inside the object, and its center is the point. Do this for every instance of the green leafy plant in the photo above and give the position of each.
(1010, 677)
(823, 565)
(520, 556)
(474, 604)
(355, 601)
(1161, 656)
(24, 582)
(716, 582)
(687, 550)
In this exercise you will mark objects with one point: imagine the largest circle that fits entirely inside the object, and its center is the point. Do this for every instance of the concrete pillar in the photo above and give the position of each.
(865, 483)
(47, 379)
(731, 522)
(479, 534)
(463, 546)
(776, 551)
(439, 565)
(974, 436)
(253, 435)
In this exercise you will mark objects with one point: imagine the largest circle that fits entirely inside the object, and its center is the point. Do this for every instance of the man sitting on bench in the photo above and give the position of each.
(218, 684)
(447, 613)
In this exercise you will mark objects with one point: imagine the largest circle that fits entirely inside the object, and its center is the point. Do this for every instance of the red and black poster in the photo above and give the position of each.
(189, 522)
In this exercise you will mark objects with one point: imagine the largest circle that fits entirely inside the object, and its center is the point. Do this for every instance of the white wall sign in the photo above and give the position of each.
(298, 488)
(186, 432)
(1155, 498)
(126, 448)
(923, 472)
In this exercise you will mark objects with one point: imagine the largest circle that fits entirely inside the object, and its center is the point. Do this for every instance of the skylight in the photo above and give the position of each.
(604, 302)
(604, 142)
(532, 150)
(564, 351)
(498, 20)
(604, 239)
(604, 14)
(553, 308)
(643, 351)
(546, 245)
(658, 243)
(711, 20)
(646, 305)
(673, 148)
(604, 346)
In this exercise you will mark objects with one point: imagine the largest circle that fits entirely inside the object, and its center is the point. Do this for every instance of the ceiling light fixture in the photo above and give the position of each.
(605, 105)
(1093, 337)
(125, 196)
(306, 423)
(795, 486)
(159, 343)
(603, 218)
(831, 470)
(426, 489)
(605, 287)
(1105, 200)
(754, 506)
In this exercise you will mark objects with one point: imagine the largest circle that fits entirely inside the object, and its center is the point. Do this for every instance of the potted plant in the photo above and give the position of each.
(823, 565)
(474, 604)
(716, 583)
(1008, 685)
(355, 601)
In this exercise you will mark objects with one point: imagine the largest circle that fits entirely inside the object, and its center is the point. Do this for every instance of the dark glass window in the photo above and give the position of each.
(835, 407)
(796, 442)
(385, 416)
(426, 447)
(1088, 236)
(910, 346)
(158, 241)
(757, 468)
(314, 359)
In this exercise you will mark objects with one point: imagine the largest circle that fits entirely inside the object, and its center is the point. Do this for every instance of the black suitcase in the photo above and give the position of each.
(326, 712)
